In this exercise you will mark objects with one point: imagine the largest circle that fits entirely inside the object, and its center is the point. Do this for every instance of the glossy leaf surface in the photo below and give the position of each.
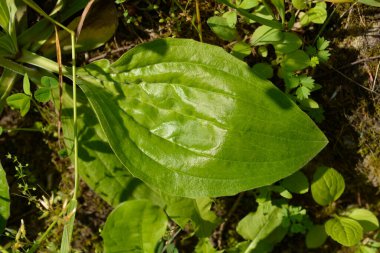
(4, 200)
(191, 120)
(134, 226)
(98, 165)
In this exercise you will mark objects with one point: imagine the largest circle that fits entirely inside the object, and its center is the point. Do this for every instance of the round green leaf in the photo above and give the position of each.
(316, 15)
(365, 218)
(263, 70)
(296, 183)
(248, 4)
(4, 200)
(221, 27)
(289, 43)
(134, 226)
(19, 101)
(49, 82)
(26, 85)
(43, 94)
(265, 35)
(296, 60)
(327, 185)
(241, 50)
(346, 231)
(316, 237)
(231, 18)
(184, 112)
(299, 4)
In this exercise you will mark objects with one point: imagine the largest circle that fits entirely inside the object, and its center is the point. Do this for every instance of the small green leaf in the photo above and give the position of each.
(49, 82)
(231, 18)
(43, 94)
(134, 226)
(316, 237)
(315, 15)
(4, 200)
(296, 183)
(1, 130)
(263, 70)
(323, 55)
(280, 6)
(365, 218)
(289, 43)
(299, 4)
(265, 35)
(309, 103)
(263, 51)
(307, 81)
(346, 231)
(204, 246)
(322, 44)
(296, 60)
(241, 50)
(248, 4)
(302, 92)
(26, 85)
(375, 3)
(257, 226)
(327, 185)
(221, 27)
(19, 101)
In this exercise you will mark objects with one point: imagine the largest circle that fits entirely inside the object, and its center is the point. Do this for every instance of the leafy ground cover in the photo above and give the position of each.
(40, 175)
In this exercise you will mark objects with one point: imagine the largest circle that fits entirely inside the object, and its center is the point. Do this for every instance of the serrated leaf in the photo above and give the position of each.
(289, 43)
(315, 15)
(346, 231)
(316, 237)
(221, 27)
(299, 4)
(365, 218)
(323, 55)
(322, 44)
(19, 101)
(302, 92)
(182, 129)
(257, 226)
(134, 226)
(98, 166)
(241, 50)
(197, 211)
(265, 35)
(49, 82)
(296, 60)
(307, 81)
(327, 185)
(4, 200)
(296, 183)
(26, 85)
(43, 94)
(263, 70)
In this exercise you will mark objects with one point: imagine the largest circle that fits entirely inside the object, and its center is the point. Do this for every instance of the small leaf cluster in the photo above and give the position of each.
(347, 227)
(279, 48)
(21, 101)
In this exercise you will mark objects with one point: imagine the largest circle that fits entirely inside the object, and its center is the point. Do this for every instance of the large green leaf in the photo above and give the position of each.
(191, 120)
(134, 226)
(327, 185)
(98, 166)
(346, 231)
(4, 200)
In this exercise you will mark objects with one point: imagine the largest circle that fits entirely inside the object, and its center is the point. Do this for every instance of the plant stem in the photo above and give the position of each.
(37, 243)
(199, 20)
(22, 129)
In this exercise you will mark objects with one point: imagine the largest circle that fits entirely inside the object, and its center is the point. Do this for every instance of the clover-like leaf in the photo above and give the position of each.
(186, 120)
(19, 101)
(134, 226)
(327, 185)
(346, 231)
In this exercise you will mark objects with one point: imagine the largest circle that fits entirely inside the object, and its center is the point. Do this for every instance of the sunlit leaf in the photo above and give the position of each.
(346, 231)
(4, 200)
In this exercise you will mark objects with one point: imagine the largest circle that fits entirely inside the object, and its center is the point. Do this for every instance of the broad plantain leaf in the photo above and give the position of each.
(134, 226)
(191, 120)
(98, 166)
(4, 200)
